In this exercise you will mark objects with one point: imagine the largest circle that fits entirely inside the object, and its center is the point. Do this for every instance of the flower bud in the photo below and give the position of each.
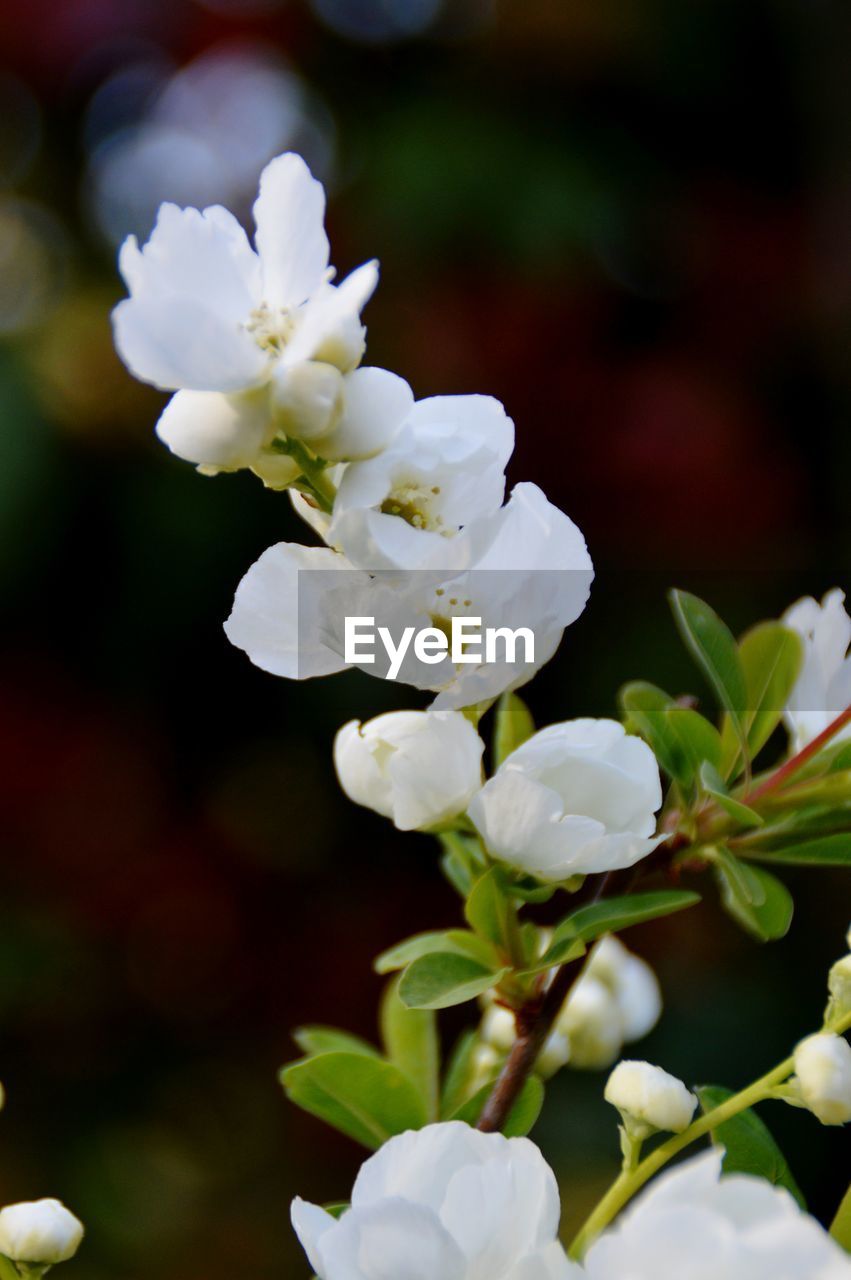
(498, 1028)
(419, 768)
(823, 1074)
(649, 1099)
(554, 1055)
(39, 1231)
(591, 1022)
(839, 985)
(307, 399)
(632, 983)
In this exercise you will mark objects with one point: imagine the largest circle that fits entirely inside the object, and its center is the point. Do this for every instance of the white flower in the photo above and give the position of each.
(442, 1203)
(649, 1099)
(419, 768)
(633, 984)
(231, 328)
(693, 1224)
(823, 1073)
(445, 470)
(616, 1001)
(290, 608)
(39, 1231)
(823, 689)
(578, 797)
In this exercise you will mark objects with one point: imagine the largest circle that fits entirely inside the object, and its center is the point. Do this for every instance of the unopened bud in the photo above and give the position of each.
(649, 1099)
(39, 1231)
(823, 1074)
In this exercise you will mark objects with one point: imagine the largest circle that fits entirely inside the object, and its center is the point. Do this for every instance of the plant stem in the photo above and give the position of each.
(313, 471)
(791, 767)
(630, 1181)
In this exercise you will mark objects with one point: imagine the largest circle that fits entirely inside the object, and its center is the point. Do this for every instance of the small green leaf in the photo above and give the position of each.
(337, 1208)
(840, 1228)
(364, 1097)
(646, 708)
(459, 1071)
(522, 1115)
(613, 914)
(713, 648)
(829, 851)
(460, 941)
(488, 910)
(713, 784)
(699, 740)
(771, 657)
(513, 726)
(444, 978)
(766, 920)
(748, 1144)
(747, 887)
(462, 862)
(316, 1039)
(411, 1041)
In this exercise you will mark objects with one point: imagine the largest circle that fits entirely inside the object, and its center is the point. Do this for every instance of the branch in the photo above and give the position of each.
(791, 767)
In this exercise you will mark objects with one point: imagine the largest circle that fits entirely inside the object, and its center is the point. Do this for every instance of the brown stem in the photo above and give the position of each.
(806, 753)
(534, 1023)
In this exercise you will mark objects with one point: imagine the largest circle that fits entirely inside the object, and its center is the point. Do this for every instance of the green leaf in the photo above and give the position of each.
(747, 887)
(337, 1208)
(445, 978)
(713, 648)
(459, 1070)
(522, 1115)
(713, 784)
(771, 656)
(646, 708)
(829, 851)
(316, 1039)
(462, 861)
(767, 919)
(411, 1041)
(840, 1228)
(613, 914)
(513, 726)
(699, 740)
(488, 910)
(748, 1143)
(364, 1097)
(459, 941)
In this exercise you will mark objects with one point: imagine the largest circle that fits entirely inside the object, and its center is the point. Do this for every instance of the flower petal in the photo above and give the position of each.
(215, 431)
(376, 404)
(391, 1240)
(310, 1224)
(291, 240)
(329, 325)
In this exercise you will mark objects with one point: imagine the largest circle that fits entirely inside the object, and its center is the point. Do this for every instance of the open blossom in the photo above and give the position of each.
(443, 472)
(823, 1074)
(255, 342)
(442, 1203)
(39, 1231)
(578, 797)
(649, 1099)
(419, 768)
(533, 571)
(693, 1224)
(823, 688)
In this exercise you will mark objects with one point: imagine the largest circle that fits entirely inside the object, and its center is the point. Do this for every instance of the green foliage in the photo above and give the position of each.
(512, 727)
(444, 978)
(840, 1228)
(316, 1039)
(713, 785)
(748, 1144)
(713, 648)
(412, 1044)
(459, 941)
(462, 861)
(699, 741)
(829, 851)
(770, 656)
(488, 910)
(364, 1097)
(754, 898)
(680, 737)
(520, 1118)
(610, 915)
(459, 1070)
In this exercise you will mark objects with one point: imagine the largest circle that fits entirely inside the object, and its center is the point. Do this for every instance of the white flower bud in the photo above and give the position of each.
(419, 768)
(591, 1022)
(39, 1231)
(839, 985)
(554, 1055)
(823, 1073)
(307, 399)
(632, 983)
(649, 1099)
(498, 1028)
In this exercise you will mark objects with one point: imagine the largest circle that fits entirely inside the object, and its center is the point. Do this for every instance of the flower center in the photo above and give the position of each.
(271, 327)
(415, 503)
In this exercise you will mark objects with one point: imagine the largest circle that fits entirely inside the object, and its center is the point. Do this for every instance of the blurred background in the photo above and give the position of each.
(627, 220)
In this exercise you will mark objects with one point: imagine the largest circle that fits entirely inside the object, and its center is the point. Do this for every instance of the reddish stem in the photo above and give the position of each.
(791, 767)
